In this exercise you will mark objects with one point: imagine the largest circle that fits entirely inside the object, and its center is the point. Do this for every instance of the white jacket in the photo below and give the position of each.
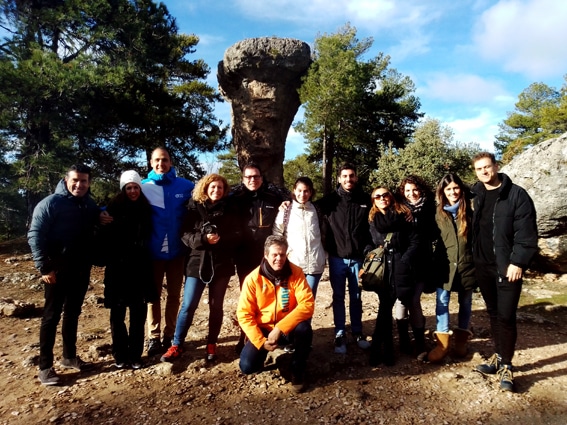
(303, 235)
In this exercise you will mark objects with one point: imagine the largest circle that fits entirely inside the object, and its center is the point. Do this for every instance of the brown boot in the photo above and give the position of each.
(461, 338)
(442, 348)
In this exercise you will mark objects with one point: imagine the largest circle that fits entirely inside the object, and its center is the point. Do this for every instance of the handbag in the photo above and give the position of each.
(372, 275)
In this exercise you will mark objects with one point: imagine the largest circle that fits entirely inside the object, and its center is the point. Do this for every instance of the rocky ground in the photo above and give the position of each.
(341, 389)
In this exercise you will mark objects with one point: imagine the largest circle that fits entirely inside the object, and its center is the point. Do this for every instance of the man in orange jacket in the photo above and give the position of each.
(274, 310)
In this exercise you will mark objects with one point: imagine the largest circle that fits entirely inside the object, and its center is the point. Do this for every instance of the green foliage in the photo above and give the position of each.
(353, 106)
(101, 83)
(229, 168)
(301, 166)
(540, 114)
(431, 154)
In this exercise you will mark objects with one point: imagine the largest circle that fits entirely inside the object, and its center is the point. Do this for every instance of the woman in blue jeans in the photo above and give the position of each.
(301, 224)
(454, 262)
(211, 229)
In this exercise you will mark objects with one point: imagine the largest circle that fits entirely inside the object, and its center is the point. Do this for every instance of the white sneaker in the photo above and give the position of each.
(340, 343)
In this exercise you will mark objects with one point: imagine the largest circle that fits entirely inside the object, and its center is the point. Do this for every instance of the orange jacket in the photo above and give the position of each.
(263, 305)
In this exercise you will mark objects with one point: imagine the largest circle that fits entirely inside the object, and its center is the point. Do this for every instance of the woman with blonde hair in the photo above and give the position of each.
(454, 262)
(211, 228)
(388, 220)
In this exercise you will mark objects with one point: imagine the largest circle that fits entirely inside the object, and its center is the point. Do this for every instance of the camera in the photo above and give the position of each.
(209, 228)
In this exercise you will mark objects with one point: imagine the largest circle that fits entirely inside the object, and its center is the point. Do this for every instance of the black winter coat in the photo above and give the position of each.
(205, 260)
(61, 233)
(128, 276)
(347, 230)
(259, 210)
(514, 221)
(401, 255)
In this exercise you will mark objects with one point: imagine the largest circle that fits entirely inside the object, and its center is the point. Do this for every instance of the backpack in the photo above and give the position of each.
(372, 274)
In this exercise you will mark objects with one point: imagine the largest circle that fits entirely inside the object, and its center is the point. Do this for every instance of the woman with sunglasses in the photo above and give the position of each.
(453, 254)
(389, 216)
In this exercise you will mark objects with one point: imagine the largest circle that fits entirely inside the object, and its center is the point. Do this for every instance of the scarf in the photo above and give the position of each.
(452, 209)
(279, 277)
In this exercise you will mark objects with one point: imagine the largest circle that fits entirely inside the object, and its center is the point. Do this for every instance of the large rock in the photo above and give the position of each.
(542, 171)
(260, 78)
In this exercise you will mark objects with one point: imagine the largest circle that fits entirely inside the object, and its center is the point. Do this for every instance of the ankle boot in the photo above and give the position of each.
(419, 338)
(403, 333)
(388, 354)
(375, 352)
(461, 338)
(442, 348)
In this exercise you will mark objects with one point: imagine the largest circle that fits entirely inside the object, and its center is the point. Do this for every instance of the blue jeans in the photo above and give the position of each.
(341, 270)
(252, 359)
(313, 282)
(442, 309)
(192, 293)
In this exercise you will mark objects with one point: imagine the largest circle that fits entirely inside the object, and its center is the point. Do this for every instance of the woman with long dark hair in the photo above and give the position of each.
(418, 198)
(387, 216)
(453, 254)
(300, 223)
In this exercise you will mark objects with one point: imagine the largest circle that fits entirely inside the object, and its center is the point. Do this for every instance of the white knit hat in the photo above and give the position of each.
(130, 176)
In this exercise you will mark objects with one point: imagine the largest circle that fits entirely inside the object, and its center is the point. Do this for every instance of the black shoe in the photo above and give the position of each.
(375, 353)
(76, 364)
(48, 377)
(297, 383)
(506, 378)
(154, 347)
(361, 341)
(492, 366)
(166, 343)
(120, 365)
(137, 364)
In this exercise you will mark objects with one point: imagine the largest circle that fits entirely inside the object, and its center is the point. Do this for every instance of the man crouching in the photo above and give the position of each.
(274, 310)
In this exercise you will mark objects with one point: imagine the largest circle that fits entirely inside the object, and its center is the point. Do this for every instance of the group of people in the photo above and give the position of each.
(278, 243)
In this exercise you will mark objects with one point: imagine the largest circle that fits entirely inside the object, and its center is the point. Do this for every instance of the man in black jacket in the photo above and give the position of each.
(504, 242)
(258, 202)
(61, 237)
(347, 239)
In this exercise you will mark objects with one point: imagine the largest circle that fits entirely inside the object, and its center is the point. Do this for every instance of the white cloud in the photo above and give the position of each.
(480, 129)
(294, 144)
(525, 36)
(463, 88)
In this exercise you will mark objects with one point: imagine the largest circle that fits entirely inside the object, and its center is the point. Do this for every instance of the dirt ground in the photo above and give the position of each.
(342, 389)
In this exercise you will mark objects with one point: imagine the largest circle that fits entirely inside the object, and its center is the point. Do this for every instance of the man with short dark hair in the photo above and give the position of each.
(504, 235)
(61, 238)
(348, 238)
(274, 310)
(168, 195)
(258, 202)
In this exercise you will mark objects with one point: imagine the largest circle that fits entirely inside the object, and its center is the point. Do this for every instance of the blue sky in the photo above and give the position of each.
(469, 59)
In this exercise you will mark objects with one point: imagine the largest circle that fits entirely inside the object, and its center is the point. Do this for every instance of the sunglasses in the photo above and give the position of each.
(382, 195)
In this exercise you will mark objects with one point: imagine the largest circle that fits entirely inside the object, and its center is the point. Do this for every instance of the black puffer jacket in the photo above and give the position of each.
(128, 274)
(346, 215)
(205, 260)
(259, 210)
(403, 250)
(61, 233)
(514, 221)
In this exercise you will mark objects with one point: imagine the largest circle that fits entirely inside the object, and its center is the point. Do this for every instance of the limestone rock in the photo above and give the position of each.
(260, 78)
(542, 171)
